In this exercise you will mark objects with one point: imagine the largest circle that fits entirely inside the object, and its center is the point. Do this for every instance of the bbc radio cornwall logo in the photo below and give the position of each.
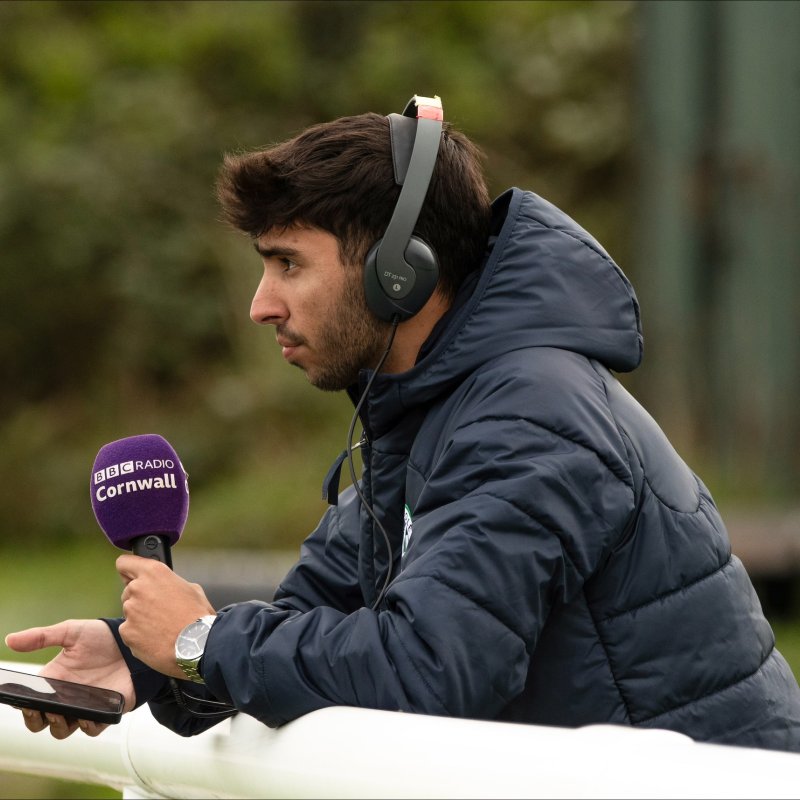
(129, 467)
(118, 479)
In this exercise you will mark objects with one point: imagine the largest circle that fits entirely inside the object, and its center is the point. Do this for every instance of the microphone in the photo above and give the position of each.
(140, 495)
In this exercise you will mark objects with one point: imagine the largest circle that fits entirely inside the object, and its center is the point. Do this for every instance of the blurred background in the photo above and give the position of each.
(670, 130)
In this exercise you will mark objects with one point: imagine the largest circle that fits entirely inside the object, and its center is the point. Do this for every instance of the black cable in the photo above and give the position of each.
(181, 697)
(349, 449)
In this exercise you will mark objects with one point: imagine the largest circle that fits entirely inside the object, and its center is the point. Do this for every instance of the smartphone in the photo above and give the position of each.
(75, 700)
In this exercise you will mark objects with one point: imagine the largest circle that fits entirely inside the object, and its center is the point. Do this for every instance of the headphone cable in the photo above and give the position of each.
(349, 448)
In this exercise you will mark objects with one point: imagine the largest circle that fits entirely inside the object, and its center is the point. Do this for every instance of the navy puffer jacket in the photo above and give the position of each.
(560, 565)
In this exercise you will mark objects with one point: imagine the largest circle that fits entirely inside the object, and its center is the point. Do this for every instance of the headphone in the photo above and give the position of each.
(401, 270)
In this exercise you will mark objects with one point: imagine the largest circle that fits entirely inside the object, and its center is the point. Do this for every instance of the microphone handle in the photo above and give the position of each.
(153, 545)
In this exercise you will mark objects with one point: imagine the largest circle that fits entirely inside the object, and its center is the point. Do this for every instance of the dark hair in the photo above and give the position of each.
(338, 176)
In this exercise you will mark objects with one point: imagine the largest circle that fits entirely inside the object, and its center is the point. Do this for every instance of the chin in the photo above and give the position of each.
(327, 386)
(327, 382)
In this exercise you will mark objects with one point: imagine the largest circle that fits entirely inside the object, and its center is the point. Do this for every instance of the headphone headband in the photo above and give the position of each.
(415, 185)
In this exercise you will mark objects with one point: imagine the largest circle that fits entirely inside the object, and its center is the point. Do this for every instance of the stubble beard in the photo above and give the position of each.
(352, 339)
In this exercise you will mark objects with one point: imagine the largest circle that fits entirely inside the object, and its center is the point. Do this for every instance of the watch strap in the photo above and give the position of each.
(191, 670)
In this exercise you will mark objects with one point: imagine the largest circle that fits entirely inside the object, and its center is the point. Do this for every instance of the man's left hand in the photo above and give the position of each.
(157, 604)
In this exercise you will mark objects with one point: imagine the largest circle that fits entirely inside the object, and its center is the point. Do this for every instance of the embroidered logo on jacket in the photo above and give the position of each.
(406, 530)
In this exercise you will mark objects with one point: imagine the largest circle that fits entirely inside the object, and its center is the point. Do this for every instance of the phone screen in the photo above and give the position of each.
(75, 700)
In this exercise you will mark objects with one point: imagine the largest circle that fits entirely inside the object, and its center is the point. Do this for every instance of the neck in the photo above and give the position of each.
(412, 333)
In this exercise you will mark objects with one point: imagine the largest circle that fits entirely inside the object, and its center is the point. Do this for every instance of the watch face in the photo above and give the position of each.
(192, 640)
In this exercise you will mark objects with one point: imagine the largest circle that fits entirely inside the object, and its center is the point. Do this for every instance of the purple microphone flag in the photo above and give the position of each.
(139, 486)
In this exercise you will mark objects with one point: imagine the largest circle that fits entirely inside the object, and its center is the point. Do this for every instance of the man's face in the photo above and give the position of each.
(317, 306)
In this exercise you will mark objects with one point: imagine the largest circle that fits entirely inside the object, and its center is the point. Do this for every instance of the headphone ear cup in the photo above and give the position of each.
(401, 289)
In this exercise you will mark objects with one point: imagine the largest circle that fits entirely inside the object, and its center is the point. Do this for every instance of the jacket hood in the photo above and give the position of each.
(546, 283)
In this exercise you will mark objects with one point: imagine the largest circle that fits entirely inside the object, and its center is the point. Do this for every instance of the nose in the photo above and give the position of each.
(267, 307)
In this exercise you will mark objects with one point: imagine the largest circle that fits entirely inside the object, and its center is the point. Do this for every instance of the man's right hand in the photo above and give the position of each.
(90, 656)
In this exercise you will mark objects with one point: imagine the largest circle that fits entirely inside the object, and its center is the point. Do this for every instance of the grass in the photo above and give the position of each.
(79, 580)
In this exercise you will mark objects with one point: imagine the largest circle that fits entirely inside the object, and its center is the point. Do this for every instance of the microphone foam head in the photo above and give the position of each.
(139, 486)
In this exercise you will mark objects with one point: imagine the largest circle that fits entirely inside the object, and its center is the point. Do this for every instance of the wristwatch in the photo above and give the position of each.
(190, 645)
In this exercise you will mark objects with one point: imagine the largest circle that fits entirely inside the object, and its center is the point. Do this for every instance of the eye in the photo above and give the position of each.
(288, 264)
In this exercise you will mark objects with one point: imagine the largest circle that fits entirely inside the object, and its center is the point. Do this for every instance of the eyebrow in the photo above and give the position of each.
(271, 252)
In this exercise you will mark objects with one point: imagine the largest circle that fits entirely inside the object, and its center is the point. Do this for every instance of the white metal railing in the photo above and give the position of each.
(348, 752)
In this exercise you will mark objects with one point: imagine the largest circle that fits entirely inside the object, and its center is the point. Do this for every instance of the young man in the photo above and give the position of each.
(524, 543)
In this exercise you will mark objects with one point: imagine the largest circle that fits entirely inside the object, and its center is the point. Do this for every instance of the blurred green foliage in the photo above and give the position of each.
(125, 299)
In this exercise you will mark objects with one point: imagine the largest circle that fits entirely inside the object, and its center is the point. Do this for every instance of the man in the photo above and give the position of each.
(524, 544)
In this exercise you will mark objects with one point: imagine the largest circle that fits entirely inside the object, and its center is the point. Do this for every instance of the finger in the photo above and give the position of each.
(127, 634)
(37, 638)
(61, 727)
(92, 728)
(129, 567)
(34, 720)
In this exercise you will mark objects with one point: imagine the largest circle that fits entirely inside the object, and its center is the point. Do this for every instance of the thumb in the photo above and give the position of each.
(129, 567)
(37, 638)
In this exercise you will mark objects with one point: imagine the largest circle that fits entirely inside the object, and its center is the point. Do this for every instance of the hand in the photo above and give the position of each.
(157, 604)
(90, 656)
